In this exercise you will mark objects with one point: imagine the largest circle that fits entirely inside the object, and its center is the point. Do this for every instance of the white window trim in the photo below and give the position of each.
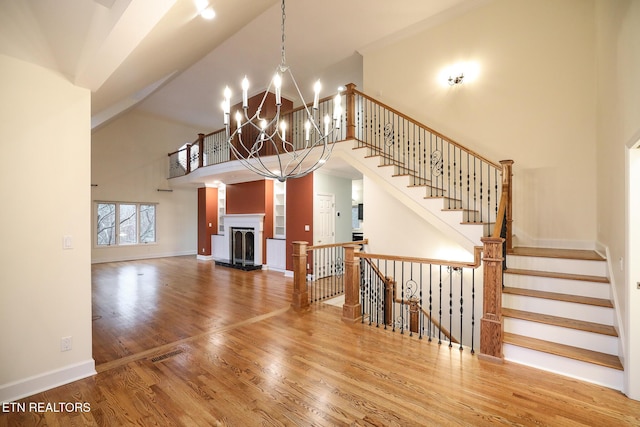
(117, 230)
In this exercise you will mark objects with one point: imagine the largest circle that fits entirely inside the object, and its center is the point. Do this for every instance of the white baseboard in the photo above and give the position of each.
(29, 386)
(145, 256)
(204, 257)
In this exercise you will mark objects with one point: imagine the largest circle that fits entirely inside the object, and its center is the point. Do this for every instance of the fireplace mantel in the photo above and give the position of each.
(254, 221)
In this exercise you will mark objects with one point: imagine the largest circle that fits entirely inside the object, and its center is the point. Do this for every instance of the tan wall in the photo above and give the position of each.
(533, 102)
(128, 164)
(45, 290)
(618, 33)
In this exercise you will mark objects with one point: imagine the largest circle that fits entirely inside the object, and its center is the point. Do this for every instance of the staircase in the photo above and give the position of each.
(558, 316)
(432, 203)
(557, 310)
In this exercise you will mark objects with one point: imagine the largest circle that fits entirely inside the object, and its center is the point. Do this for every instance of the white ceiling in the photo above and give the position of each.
(162, 57)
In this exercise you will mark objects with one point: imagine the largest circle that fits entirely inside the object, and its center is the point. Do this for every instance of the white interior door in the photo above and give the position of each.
(323, 234)
(324, 227)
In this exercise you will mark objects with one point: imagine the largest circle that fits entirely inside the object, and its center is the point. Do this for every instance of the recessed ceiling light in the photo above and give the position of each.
(208, 13)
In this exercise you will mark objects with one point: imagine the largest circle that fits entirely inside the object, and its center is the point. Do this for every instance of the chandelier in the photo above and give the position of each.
(287, 145)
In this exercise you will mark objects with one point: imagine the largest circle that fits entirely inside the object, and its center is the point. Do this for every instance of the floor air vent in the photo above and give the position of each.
(166, 356)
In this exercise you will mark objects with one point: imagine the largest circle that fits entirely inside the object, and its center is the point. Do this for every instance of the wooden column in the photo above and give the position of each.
(491, 322)
(352, 309)
(351, 111)
(414, 319)
(300, 297)
(507, 182)
(389, 298)
(200, 150)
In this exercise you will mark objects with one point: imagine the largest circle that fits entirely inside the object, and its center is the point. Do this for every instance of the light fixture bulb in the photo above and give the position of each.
(208, 13)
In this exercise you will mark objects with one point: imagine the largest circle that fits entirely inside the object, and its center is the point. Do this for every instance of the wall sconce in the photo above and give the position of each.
(462, 72)
(456, 80)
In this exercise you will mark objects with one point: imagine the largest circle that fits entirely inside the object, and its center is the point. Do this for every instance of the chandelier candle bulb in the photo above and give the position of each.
(283, 127)
(239, 121)
(245, 91)
(277, 83)
(316, 94)
(307, 129)
(326, 124)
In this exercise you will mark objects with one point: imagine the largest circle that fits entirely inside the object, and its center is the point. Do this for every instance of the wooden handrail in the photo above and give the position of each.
(417, 123)
(437, 324)
(336, 245)
(477, 255)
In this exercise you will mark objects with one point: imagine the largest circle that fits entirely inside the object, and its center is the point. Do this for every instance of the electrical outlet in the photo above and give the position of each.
(65, 343)
(638, 285)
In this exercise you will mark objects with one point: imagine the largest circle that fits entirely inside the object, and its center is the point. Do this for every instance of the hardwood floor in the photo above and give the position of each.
(181, 342)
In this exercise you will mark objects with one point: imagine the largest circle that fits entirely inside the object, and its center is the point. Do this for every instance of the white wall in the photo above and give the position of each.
(394, 229)
(45, 290)
(618, 53)
(128, 164)
(533, 101)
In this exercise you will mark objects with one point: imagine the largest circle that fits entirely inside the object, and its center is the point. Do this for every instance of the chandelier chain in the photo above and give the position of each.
(284, 17)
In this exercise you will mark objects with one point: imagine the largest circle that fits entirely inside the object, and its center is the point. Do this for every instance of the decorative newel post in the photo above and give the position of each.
(507, 183)
(351, 111)
(200, 150)
(352, 309)
(491, 322)
(300, 297)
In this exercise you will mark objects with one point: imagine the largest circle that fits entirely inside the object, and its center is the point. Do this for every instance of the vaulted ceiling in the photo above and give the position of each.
(162, 57)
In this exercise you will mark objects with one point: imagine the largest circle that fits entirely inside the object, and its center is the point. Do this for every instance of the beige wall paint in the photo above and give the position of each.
(45, 290)
(618, 52)
(533, 102)
(394, 229)
(128, 164)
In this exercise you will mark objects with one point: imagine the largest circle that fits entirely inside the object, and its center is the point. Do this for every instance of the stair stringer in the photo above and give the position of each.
(431, 209)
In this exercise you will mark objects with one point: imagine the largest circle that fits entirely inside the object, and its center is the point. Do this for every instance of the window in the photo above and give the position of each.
(125, 223)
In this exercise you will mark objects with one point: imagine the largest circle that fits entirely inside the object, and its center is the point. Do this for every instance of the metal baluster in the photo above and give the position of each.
(460, 180)
(421, 321)
(461, 304)
(468, 185)
(440, 309)
(402, 299)
(430, 301)
(451, 272)
(473, 309)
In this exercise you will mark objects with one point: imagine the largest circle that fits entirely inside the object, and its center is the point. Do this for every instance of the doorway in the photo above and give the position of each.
(324, 226)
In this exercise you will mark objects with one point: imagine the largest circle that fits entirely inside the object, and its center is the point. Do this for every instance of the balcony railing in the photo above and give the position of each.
(465, 180)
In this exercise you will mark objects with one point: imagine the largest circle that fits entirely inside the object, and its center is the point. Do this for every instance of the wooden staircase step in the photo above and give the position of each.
(577, 254)
(576, 353)
(578, 299)
(555, 275)
(564, 322)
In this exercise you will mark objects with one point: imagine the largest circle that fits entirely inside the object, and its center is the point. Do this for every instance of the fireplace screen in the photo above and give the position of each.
(242, 246)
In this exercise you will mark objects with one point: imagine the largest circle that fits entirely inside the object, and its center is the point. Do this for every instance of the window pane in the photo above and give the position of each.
(147, 223)
(128, 231)
(106, 230)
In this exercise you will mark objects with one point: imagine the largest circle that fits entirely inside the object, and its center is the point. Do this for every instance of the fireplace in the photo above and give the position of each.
(241, 245)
